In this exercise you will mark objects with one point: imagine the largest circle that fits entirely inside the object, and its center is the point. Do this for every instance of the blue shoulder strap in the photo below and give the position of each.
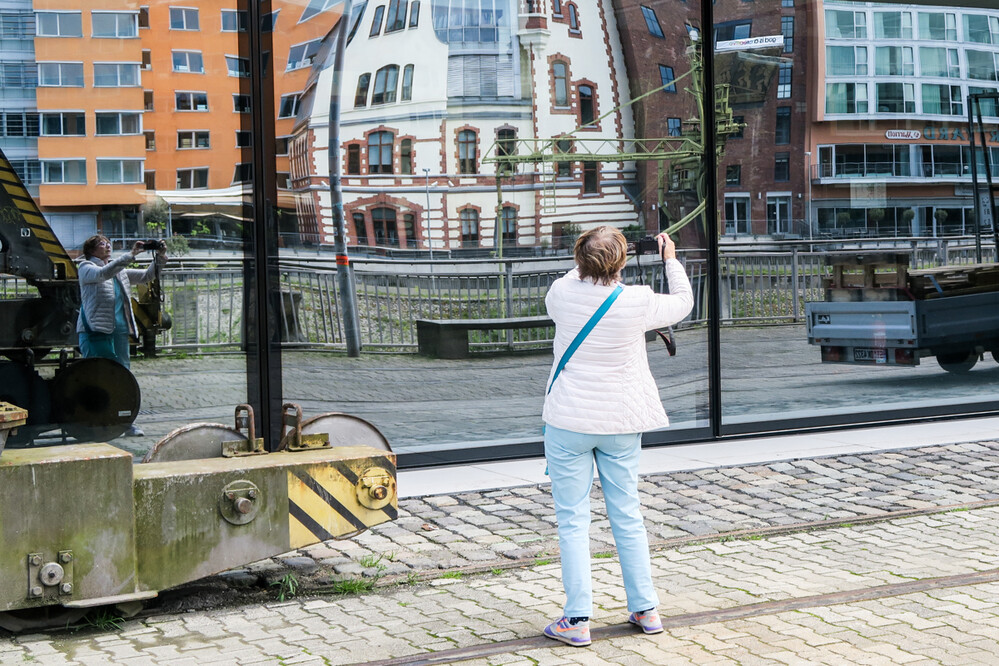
(583, 332)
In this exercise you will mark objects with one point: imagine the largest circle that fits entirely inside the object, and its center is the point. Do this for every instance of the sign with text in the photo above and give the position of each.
(903, 135)
(765, 42)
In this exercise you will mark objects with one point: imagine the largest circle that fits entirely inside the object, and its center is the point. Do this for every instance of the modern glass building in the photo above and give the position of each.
(333, 180)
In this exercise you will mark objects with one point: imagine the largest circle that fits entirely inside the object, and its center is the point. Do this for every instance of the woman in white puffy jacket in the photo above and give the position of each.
(596, 410)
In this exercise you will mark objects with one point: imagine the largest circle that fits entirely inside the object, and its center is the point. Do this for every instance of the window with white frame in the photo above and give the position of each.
(235, 20)
(238, 67)
(737, 214)
(895, 97)
(845, 24)
(114, 24)
(192, 179)
(188, 61)
(64, 123)
(846, 61)
(117, 172)
(983, 65)
(939, 62)
(893, 25)
(778, 213)
(60, 74)
(938, 26)
(846, 98)
(64, 172)
(561, 82)
(784, 80)
(190, 101)
(893, 61)
(241, 103)
(674, 127)
(981, 29)
(193, 139)
(184, 18)
(787, 30)
(942, 99)
(58, 24)
(301, 55)
(118, 123)
(116, 74)
(288, 107)
(243, 173)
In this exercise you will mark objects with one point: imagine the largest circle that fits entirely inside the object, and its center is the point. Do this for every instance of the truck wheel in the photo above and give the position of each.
(958, 362)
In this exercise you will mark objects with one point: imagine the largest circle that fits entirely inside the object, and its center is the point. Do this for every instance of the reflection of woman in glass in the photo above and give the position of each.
(596, 410)
(106, 323)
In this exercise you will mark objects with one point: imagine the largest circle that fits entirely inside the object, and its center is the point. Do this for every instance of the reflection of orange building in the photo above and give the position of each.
(134, 99)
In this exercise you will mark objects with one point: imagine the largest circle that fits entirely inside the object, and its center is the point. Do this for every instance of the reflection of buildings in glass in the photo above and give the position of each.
(104, 105)
(890, 129)
(429, 87)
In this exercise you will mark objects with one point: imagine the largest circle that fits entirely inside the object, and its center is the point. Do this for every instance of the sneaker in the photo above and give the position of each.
(134, 431)
(648, 620)
(577, 634)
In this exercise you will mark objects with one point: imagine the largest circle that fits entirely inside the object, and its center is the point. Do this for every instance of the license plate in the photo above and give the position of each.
(870, 355)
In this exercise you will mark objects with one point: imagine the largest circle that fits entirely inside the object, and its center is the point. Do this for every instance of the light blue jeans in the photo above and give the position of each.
(570, 458)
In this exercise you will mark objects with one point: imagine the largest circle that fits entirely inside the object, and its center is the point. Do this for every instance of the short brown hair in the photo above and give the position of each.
(601, 254)
(91, 244)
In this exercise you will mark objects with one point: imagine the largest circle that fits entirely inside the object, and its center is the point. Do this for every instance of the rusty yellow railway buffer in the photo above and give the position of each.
(83, 525)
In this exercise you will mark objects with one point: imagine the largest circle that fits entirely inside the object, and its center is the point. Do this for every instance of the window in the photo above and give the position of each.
(147, 100)
(506, 144)
(241, 103)
(184, 18)
(981, 29)
(784, 80)
(149, 177)
(787, 29)
(376, 21)
(674, 127)
(587, 109)
(187, 139)
(116, 172)
(939, 62)
(114, 24)
(192, 179)
(467, 151)
(733, 174)
(268, 21)
(190, 101)
(235, 20)
(846, 98)
(942, 99)
(242, 173)
(846, 24)
(58, 24)
(67, 123)
(29, 171)
(778, 214)
(563, 169)
(353, 159)
(895, 98)
(590, 177)
(283, 180)
(893, 61)
(667, 79)
(64, 172)
(116, 74)
(409, 228)
(301, 55)
(396, 17)
(509, 225)
(573, 18)
(982, 65)
(150, 137)
(238, 67)
(386, 232)
(406, 156)
(188, 61)
(846, 61)
(118, 123)
(782, 171)
(557, 7)
(289, 105)
(361, 92)
(782, 129)
(143, 17)
(360, 228)
(737, 214)
(316, 7)
(469, 227)
(414, 13)
(560, 79)
(20, 124)
(65, 74)
(380, 152)
(892, 25)
(406, 94)
(939, 26)
(386, 79)
(147, 60)
(244, 139)
(990, 107)
(726, 32)
(787, 3)
(652, 22)
(741, 122)
(281, 144)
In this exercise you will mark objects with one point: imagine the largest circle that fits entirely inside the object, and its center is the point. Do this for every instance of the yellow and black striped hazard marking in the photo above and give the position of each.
(18, 209)
(322, 502)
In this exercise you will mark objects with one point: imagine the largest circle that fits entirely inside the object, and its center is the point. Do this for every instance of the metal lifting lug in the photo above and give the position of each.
(375, 488)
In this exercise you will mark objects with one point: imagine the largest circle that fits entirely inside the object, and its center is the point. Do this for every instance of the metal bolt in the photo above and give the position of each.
(243, 505)
(36, 591)
(379, 492)
(230, 495)
(251, 493)
(66, 558)
(67, 588)
(36, 560)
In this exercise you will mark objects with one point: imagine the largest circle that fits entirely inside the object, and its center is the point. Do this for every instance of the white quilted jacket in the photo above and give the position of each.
(607, 387)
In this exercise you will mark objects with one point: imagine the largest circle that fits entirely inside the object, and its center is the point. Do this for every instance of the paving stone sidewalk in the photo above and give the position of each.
(957, 623)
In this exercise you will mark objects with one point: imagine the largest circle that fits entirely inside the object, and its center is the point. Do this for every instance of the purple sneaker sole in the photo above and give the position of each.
(648, 625)
(571, 636)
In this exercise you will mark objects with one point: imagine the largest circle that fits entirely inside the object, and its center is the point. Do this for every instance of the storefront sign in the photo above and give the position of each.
(955, 134)
(767, 41)
(903, 135)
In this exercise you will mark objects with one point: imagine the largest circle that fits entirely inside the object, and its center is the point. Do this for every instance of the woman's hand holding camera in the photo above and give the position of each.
(667, 248)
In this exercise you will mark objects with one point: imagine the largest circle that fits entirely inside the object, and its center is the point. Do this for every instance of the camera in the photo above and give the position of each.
(647, 245)
(154, 244)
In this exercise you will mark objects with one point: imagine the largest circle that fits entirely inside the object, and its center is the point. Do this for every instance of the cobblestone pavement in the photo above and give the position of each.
(906, 594)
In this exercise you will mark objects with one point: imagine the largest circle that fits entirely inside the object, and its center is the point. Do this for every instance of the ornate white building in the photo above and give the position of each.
(430, 87)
